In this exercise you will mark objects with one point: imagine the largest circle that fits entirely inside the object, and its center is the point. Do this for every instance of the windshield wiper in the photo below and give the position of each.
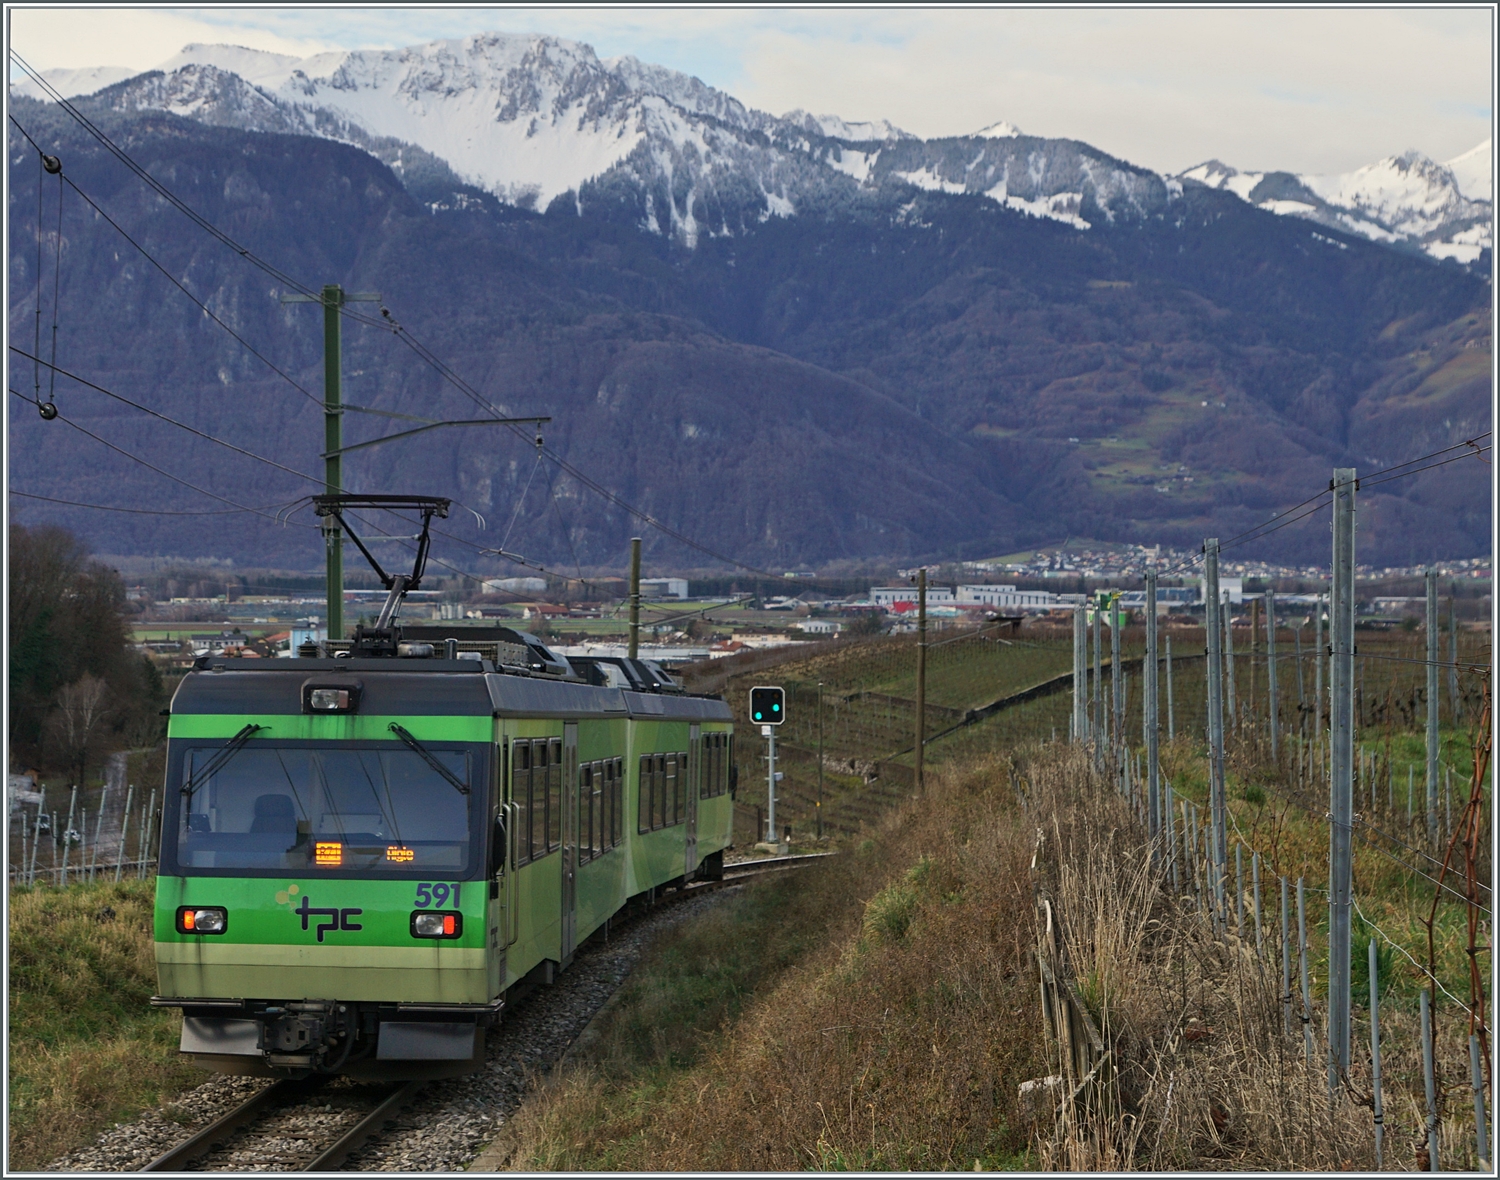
(216, 763)
(425, 755)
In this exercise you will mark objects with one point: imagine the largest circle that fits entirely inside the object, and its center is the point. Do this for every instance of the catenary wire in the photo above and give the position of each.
(173, 421)
(153, 467)
(134, 511)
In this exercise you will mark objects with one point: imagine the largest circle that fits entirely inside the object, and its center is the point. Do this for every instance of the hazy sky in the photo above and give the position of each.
(1301, 89)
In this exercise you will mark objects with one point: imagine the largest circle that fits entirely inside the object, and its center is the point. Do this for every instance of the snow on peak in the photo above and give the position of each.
(1000, 130)
(72, 83)
(833, 127)
(1474, 172)
(1442, 208)
(255, 66)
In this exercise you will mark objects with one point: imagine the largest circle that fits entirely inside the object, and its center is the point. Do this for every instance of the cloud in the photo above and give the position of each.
(1317, 90)
(50, 38)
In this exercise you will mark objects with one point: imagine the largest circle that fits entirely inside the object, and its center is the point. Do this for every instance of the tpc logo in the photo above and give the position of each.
(337, 919)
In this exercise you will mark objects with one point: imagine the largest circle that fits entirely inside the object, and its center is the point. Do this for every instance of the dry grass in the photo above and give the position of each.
(85, 1050)
(896, 1040)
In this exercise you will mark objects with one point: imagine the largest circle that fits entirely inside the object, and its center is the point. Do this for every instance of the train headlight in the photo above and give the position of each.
(202, 919)
(436, 924)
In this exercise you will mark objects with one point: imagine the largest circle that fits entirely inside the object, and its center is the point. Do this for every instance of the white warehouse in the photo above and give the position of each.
(1005, 596)
(886, 597)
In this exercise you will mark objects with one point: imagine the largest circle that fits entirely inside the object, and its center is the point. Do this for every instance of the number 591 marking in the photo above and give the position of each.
(435, 894)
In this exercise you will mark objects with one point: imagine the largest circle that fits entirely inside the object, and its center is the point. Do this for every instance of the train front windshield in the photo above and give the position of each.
(305, 809)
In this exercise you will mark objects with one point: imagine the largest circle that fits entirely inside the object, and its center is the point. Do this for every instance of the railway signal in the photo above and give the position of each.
(767, 705)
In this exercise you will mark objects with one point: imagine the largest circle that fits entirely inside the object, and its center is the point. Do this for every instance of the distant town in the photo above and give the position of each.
(691, 617)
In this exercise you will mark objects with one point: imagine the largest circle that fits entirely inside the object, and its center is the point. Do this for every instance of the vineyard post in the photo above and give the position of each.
(1080, 673)
(1453, 701)
(1098, 697)
(36, 835)
(1432, 709)
(1230, 704)
(1271, 670)
(1307, 1036)
(1341, 789)
(1148, 700)
(1286, 966)
(1171, 712)
(1116, 689)
(1379, 1108)
(1215, 716)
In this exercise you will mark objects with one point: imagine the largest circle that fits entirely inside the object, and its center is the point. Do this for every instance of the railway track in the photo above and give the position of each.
(315, 1124)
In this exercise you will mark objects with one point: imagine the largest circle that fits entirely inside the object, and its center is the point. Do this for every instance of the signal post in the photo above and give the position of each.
(768, 710)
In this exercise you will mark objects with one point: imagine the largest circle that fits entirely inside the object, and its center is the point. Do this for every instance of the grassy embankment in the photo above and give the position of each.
(85, 1049)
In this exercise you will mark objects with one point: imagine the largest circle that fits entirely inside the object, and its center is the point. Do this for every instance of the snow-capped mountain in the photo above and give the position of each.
(1445, 209)
(534, 120)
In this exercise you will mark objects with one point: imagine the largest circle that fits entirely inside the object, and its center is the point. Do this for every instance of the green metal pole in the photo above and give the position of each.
(635, 596)
(333, 474)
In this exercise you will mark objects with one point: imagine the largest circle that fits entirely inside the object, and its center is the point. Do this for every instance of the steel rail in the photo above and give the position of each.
(356, 1136)
(202, 1142)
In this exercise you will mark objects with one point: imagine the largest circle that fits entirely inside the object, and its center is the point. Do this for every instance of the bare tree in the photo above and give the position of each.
(79, 721)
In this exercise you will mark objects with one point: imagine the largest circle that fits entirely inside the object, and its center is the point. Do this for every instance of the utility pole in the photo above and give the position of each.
(1080, 673)
(333, 299)
(1148, 703)
(921, 671)
(1432, 709)
(1219, 854)
(1341, 802)
(635, 596)
(1271, 668)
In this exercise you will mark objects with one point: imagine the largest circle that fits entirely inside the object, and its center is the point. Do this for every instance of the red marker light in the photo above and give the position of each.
(449, 924)
(187, 919)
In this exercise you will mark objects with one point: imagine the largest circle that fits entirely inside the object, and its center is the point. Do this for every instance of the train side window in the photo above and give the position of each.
(584, 787)
(520, 794)
(596, 801)
(657, 775)
(618, 831)
(554, 794)
(643, 796)
(537, 837)
(672, 781)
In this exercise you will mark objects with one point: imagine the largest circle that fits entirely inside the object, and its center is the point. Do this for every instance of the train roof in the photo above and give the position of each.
(423, 688)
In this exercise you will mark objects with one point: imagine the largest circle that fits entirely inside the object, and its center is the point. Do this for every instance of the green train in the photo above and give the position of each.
(366, 850)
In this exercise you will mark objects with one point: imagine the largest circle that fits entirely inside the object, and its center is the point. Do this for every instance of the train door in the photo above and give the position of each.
(569, 839)
(694, 773)
(499, 870)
